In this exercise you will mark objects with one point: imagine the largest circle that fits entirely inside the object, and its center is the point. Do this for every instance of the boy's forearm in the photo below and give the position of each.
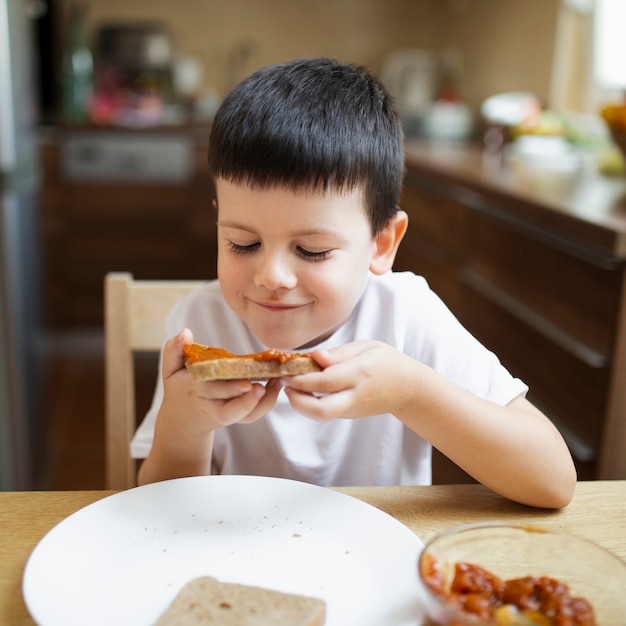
(172, 456)
(156, 468)
(514, 450)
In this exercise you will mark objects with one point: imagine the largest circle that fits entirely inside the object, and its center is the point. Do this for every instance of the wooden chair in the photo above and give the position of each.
(134, 321)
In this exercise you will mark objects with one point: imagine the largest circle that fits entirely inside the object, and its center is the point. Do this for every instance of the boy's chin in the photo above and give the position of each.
(288, 342)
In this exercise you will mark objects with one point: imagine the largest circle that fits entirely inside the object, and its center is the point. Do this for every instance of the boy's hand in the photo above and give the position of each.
(191, 411)
(203, 406)
(359, 379)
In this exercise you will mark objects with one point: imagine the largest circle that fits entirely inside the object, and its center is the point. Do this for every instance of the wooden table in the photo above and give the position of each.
(597, 512)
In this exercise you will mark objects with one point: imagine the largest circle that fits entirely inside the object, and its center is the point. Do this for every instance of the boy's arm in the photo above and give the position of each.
(514, 450)
(191, 411)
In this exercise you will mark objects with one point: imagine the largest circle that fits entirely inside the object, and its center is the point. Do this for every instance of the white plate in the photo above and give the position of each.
(122, 559)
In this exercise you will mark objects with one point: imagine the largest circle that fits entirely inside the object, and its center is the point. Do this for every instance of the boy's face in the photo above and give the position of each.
(292, 265)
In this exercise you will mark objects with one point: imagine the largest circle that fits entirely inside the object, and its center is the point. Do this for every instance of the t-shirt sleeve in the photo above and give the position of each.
(438, 339)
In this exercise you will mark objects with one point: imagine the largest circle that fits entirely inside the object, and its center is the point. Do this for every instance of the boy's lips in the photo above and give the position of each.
(273, 305)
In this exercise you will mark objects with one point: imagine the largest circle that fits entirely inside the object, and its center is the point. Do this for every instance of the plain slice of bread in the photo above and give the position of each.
(250, 368)
(205, 601)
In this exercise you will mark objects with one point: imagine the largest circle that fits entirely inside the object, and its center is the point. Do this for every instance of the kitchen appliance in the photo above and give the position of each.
(163, 158)
(410, 75)
(20, 367)
(142, 52)
(44, 22)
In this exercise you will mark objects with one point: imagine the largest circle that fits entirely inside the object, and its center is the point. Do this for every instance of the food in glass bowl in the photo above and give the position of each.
(507, 575)
(529, 600)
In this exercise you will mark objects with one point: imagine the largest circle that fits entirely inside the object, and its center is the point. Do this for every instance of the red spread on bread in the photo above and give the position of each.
(195, 352)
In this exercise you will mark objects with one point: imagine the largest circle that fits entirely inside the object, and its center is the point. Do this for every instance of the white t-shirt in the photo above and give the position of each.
(399, 309)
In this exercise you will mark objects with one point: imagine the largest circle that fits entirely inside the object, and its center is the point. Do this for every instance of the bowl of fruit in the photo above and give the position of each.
(614, 116)
(497, 574)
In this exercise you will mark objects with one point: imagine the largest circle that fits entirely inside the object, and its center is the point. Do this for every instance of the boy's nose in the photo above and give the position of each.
(275, 272)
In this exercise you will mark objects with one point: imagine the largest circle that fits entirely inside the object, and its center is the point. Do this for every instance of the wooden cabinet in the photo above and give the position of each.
(152, 228)
(551, 307)
(431, 245)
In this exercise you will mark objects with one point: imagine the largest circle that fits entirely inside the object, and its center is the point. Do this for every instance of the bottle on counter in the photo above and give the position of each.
(77, 71)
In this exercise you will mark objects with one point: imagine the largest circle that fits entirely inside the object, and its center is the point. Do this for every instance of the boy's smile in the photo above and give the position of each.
(291, 264)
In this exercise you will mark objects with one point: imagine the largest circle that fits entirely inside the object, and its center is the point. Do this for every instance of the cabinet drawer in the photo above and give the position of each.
(430, 246)
(119, 199)
(560, 291)
(414, 255)
(437, 219)
(112, 223)
(569, 391)
(163, 229)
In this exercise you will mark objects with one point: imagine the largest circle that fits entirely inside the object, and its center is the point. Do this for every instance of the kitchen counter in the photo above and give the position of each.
(581, 205)
(533, 262)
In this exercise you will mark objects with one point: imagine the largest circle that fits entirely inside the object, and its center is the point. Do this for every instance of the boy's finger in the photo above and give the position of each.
(222, 389)
(239, 408)
(173, 358)
(327, 381)
(335, 355)
(320, 407)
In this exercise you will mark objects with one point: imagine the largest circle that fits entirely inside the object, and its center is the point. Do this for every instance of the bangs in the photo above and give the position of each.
(313, 125)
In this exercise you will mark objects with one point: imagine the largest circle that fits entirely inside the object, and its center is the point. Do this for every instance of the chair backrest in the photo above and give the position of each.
(134, 321)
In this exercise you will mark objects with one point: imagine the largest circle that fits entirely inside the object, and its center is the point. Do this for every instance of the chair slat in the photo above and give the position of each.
(134, 315)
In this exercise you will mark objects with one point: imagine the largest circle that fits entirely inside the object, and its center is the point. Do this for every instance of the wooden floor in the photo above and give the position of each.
(73, 457)
(74, 392)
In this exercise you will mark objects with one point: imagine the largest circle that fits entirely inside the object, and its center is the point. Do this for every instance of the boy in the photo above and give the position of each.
(307, 159)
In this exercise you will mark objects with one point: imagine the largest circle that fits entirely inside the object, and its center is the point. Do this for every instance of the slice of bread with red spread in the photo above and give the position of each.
(208, 363)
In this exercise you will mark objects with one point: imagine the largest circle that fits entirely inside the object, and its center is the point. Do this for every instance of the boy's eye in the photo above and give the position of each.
(239, 249)
(313, 256)
(307, 255)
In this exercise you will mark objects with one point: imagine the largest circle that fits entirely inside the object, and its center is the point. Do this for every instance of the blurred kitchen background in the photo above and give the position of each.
(105, 112)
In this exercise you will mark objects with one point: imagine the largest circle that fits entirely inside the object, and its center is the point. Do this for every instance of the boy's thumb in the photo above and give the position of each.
(173, 357)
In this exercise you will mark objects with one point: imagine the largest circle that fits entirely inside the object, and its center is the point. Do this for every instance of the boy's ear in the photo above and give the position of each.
(387, 242)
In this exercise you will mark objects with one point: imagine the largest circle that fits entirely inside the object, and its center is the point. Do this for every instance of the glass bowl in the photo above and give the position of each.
(512, 552)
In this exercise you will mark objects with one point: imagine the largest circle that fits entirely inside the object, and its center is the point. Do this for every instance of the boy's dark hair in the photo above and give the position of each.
(312, 124)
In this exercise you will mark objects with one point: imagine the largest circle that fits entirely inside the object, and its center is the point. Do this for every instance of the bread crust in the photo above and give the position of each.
(262, 366)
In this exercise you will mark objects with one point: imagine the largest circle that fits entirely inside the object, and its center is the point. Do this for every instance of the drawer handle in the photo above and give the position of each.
(537, 322)
(579, 448)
